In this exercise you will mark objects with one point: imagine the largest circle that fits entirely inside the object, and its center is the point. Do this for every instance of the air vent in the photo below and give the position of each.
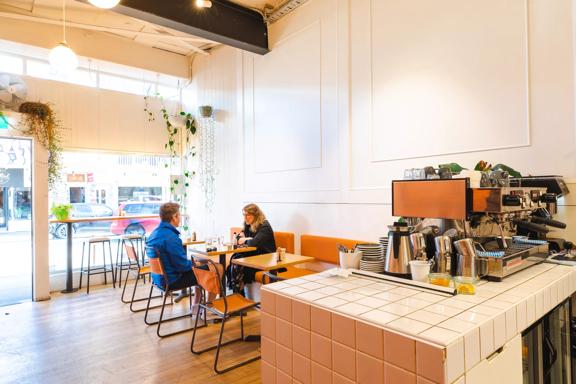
(283, 10)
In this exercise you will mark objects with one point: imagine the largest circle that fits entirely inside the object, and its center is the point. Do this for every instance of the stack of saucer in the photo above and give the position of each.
(372, 259)
(384, 243)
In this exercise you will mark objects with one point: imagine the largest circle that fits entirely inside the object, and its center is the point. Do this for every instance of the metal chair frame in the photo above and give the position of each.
(101, 270)
(134, 266)
(205, 306)
(120, 264)
(157, 268)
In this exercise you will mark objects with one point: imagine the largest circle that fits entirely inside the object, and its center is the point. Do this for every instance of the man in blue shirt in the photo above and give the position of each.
(166, 240)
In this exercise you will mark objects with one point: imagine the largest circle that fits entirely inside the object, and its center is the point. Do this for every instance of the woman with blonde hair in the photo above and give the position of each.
(257, 233)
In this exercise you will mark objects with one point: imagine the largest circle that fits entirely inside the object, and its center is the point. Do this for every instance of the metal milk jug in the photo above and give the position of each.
(399, 251)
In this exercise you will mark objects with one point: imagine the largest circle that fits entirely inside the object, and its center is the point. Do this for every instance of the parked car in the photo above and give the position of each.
(138, 226)
(59, 230)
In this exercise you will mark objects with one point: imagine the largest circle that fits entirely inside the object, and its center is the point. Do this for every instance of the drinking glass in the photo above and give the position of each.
(418, 174)
(408, 174)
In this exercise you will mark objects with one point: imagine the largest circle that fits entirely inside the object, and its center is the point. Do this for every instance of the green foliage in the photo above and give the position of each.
(512, 172)
(189, 126)
(41, 122)
(454, 167)
(61, 211)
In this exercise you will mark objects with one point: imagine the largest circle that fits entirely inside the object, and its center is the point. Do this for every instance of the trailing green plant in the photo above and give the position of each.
(39, 120)
(174, 124)
(61, 211)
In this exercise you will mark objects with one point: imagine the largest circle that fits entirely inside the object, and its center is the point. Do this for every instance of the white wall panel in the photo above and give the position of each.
(543, 31)
(287, 100)
(448, 76)
(291, 107)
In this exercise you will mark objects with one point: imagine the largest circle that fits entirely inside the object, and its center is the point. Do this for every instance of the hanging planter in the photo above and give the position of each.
(40, 121)
(205, 111)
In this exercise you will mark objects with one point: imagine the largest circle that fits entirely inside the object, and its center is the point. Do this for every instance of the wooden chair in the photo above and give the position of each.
(209, 279)
(142, 271)
(157, 268)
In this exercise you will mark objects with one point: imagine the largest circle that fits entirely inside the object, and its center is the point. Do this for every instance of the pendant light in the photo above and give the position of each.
(104, 3)
(62, 59)
(203, 3)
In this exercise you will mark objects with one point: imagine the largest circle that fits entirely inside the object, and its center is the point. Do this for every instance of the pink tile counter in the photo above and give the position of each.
(330, 329)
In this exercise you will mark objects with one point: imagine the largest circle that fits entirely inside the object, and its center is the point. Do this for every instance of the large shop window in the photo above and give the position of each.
(106, 184)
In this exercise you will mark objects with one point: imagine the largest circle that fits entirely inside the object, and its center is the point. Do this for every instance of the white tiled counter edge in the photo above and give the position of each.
(469, 327)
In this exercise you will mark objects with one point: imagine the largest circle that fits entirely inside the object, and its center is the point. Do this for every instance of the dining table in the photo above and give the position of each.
(69, 234)
(269, 261)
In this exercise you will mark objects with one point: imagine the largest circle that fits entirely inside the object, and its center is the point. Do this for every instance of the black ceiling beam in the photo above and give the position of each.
(225, 22)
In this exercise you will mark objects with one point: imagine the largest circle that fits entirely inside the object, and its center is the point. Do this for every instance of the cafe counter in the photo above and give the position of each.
(326, 328)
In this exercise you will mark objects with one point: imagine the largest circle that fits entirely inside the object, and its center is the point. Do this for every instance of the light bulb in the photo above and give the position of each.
(62, 59)
(104, 3)
(203, 3)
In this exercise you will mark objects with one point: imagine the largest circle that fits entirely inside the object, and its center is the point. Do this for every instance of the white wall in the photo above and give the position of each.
(354, 92)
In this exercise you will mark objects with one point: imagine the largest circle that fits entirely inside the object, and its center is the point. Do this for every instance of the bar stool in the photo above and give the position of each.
(137, 242)
(104, 269)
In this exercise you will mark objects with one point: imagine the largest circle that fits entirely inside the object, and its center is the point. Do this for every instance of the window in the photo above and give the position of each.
(101, 210)
(146, 185)
(123, 84)
(33, 61)
(11, 64)
(133, 208)
(149, 209)
(42, 70)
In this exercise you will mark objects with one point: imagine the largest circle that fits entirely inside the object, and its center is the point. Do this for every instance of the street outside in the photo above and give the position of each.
(16, 261)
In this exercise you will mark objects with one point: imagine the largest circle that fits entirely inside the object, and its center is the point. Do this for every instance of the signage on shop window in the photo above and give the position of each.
(76, 177)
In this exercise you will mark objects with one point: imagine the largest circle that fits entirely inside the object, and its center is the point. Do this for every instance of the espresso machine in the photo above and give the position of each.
(505, 227)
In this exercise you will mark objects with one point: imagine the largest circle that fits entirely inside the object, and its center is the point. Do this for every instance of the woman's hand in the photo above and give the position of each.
(241, 241)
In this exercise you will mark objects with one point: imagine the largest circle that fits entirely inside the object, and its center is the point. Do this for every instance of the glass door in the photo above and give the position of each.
(15, 220)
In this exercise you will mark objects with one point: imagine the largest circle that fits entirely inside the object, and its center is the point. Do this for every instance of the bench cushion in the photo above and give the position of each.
(324, 248)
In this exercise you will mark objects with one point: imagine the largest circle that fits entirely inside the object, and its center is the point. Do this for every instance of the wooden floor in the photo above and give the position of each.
(79, 338)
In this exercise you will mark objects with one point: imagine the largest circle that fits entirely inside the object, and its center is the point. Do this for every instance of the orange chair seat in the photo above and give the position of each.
(236, 302)
(145, 269)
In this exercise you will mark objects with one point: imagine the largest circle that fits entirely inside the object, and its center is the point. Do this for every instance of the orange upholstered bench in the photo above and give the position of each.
(323, 249)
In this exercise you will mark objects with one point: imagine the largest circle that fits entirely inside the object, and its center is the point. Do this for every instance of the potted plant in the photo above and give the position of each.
(205, 111)
(61, 211)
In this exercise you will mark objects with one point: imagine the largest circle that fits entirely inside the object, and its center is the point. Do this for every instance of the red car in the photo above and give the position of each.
(139, 226)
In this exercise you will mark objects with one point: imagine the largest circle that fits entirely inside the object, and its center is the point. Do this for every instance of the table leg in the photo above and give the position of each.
(222, 260)
(69, 279)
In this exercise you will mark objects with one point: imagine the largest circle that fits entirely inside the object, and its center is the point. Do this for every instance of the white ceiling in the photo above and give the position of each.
(87, 17)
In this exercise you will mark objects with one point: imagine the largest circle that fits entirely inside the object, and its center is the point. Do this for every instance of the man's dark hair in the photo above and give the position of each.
(168, 210)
